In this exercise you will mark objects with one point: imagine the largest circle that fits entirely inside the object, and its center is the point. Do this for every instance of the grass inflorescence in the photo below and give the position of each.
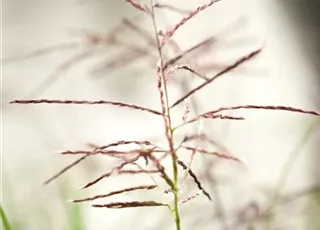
(154, 155)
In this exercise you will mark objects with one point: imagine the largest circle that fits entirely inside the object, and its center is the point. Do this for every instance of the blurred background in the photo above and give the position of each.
(50, 49)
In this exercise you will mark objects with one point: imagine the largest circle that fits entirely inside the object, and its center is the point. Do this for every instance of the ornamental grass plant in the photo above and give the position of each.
(170, 165)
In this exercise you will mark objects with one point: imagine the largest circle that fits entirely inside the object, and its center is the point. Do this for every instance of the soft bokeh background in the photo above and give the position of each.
(286, 73)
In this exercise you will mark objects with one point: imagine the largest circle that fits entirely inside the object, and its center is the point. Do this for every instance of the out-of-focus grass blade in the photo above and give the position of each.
(74, 211)
(4, 219)
(314, 223)
(286, 170)
(16, 222)
(75, 217)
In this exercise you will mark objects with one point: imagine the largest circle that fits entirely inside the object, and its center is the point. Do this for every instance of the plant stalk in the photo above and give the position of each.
(169, 129)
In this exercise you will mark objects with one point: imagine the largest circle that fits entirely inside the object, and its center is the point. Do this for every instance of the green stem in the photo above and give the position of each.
(175, 189)
(5, 221)
(169, 129)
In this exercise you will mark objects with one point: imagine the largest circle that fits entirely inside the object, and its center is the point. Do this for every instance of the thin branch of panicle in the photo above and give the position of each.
(65, 169)
(86, 102)
(188, 198)
(132, 204)
(144, 34)
(194, 177)
(125, 58)
(209, 116)
(175, 59)
(106, 152)
(58, 73)
(226, 70)
(43, 51)
(205, 138)
(178, 25)
(114, 170)
(264, 107)
(188, 68)
(172, 8)
(129, 171)
(161, 170)
(220, 155)
(123, 142)
(142, 187)
(137, 6)
(193, 153)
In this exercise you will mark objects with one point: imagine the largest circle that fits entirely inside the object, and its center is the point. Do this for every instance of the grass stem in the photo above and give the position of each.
(168, 125)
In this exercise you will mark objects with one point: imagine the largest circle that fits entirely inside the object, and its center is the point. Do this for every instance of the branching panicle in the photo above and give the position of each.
(129, 160)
